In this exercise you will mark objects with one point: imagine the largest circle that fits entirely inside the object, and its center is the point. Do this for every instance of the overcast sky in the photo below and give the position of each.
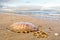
(30, 2)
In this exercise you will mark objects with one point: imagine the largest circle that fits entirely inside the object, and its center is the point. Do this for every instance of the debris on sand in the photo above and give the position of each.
(40, 34)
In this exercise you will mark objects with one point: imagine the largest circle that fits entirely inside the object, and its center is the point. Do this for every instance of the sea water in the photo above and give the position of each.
(44, 14)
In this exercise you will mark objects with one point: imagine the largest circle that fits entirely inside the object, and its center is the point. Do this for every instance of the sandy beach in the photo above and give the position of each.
(7, 19)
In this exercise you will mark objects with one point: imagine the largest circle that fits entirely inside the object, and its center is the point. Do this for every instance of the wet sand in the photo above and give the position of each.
(7, 19)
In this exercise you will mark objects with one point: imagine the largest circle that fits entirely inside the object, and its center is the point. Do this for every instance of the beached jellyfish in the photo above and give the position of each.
(24, 27)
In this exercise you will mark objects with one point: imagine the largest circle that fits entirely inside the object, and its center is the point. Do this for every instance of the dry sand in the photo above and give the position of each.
(7, 19)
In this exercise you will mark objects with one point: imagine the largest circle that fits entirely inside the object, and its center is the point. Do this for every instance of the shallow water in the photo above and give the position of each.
(43, 14)
(53, 17)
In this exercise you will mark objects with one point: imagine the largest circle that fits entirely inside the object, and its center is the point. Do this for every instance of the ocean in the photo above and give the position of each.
(43, 14)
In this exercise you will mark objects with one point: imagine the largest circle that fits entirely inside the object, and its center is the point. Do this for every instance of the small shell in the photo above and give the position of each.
(56, 34)
(24, 27)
